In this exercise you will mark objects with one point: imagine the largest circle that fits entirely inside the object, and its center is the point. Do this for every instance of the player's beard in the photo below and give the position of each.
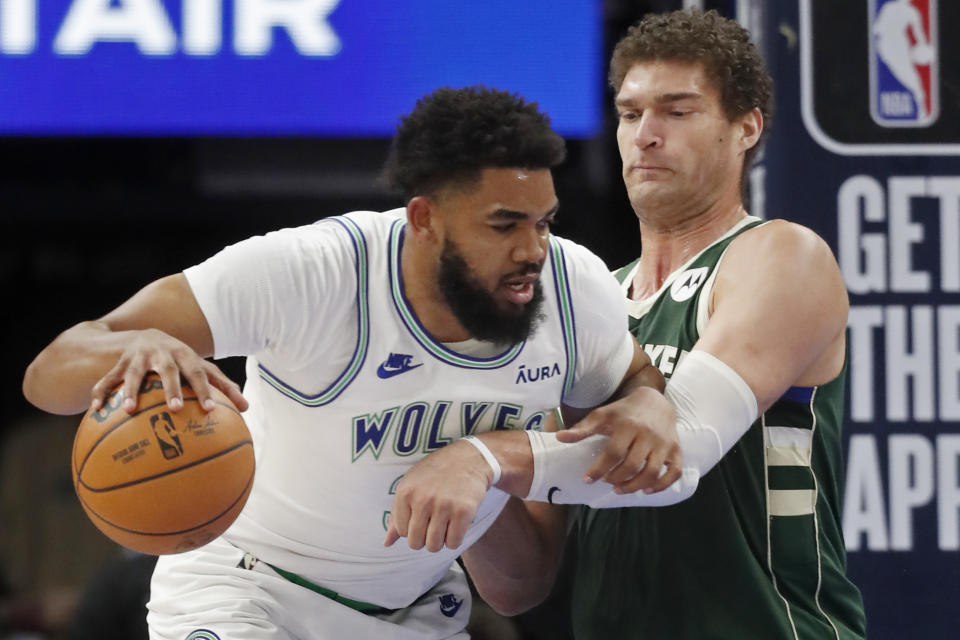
(477, 309)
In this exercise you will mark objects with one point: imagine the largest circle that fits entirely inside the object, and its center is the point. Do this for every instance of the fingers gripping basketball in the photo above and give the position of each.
(159, 481)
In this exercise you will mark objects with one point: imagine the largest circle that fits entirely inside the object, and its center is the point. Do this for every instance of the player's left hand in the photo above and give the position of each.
(643, 452)
(430, 509)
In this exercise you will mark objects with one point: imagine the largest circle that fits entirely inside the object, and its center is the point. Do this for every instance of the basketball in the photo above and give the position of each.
(159, 481)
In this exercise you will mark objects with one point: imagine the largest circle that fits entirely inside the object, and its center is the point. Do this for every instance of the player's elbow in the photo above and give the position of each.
(32, 384)
(513, 592)
(508, 610)
(512, 601)
(40, 390)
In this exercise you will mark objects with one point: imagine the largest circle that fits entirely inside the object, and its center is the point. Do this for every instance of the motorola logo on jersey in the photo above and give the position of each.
(166, 28)
(687, 283)
(904, 70)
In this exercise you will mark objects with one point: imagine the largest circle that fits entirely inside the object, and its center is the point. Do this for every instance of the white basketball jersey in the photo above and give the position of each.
(337, 422)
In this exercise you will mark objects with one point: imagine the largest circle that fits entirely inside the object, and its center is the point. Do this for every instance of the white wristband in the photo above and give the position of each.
(487, 455)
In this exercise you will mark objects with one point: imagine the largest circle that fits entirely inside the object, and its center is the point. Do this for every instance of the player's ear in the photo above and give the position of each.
(422, 217)
(751, 126)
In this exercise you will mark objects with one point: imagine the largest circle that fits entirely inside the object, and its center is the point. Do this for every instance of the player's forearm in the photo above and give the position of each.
(513, 453)
(514, 564)
(532, 471)
(512, 448)
(60, 378)
(714, 408)
(644, 376)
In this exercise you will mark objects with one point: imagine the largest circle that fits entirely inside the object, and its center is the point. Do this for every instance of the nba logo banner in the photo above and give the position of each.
(904, 79)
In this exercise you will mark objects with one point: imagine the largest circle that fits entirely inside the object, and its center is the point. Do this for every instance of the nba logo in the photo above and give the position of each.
(903, 63)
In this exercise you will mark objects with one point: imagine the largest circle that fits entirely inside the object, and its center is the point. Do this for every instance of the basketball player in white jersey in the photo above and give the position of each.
(373, 339)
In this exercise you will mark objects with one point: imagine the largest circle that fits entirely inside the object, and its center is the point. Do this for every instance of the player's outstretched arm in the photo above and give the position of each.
(779, 311)
(161, 328)
(431, 511)
(639, 425)
(778, 319)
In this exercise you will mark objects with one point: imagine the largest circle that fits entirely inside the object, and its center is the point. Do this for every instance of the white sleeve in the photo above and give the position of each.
(269, 293)
(715, 407)
(604, 345)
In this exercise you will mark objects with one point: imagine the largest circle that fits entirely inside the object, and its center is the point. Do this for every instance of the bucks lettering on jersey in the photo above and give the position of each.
(757, 551)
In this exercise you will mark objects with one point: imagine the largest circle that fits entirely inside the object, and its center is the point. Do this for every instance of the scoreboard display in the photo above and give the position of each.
(337, 68)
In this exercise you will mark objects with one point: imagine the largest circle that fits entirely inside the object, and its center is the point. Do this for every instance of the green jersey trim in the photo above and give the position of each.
(357, 605)
(786, 503)
(561, 283)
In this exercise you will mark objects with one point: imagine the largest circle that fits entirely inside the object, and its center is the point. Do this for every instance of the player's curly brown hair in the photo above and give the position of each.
(453, 134)
(730, 60)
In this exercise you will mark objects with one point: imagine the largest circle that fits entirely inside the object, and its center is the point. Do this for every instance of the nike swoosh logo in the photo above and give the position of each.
(451, 611)
(550, 493)
(384, 372)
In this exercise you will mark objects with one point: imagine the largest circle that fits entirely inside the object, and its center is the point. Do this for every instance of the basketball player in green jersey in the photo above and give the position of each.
(719, 299)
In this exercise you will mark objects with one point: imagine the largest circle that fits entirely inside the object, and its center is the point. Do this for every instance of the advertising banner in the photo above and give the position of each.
(338, 68)
(865, 151)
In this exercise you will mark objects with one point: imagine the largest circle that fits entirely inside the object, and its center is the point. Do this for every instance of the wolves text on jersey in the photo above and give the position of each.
(419, 426)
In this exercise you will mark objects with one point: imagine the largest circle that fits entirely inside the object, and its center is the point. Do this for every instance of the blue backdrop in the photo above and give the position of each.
(336, 68)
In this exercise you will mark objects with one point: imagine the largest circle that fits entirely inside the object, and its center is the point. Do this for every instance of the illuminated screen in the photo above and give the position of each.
(338, 68)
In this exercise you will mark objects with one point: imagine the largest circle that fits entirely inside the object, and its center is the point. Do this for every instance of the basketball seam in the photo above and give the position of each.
(96, 443)
(243, 493)
(123, 485)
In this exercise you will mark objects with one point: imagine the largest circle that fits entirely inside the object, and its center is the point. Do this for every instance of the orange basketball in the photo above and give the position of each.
(160, 481)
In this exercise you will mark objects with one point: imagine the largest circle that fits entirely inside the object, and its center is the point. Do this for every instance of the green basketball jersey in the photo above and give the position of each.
(757, 552)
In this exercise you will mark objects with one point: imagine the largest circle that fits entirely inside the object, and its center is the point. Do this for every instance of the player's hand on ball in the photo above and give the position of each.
(153, 350)
(438, 498)
(643, 452)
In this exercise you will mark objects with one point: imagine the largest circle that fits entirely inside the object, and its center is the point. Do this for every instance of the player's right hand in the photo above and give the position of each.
(153, 350)
(643, 452)
(438, 497)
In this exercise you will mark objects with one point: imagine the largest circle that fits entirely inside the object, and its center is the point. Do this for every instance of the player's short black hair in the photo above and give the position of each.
(730, 60)
(453, 134)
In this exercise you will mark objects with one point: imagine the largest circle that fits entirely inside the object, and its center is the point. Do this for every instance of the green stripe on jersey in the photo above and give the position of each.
(790, 478)
(566, 311)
